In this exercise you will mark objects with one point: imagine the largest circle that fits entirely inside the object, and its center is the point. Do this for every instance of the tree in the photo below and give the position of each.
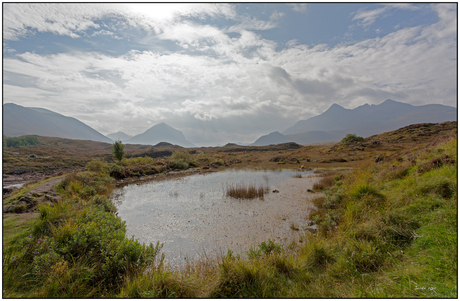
(352, 138)
(118, 150)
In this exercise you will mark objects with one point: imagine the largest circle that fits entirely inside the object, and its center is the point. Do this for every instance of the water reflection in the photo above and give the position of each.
(191, 215)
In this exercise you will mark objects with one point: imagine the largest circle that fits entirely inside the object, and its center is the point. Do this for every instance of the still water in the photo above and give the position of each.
(194, 219)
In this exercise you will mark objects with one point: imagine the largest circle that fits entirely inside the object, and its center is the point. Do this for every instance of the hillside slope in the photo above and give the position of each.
(272, 138)
(19, 121)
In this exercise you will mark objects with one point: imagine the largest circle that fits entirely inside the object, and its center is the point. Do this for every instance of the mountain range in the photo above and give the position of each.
(365, 120)
(330, 126)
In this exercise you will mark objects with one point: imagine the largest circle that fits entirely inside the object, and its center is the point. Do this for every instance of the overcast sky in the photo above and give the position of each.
(224, 72)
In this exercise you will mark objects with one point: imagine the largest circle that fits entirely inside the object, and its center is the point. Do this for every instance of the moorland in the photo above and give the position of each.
(385, 210)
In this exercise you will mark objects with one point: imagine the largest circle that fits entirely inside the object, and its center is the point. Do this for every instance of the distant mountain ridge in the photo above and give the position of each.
(272, 138)
(20, 121)
(367, 120)
(123, 137)
(161, 133)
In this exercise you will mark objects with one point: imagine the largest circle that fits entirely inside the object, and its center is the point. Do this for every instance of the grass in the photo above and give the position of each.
(246, 191)
(381, 234)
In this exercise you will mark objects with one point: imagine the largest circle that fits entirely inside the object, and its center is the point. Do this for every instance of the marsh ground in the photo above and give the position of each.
(386, 229)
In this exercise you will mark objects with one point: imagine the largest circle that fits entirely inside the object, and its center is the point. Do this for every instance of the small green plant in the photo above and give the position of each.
(118, 150)
(265, 248)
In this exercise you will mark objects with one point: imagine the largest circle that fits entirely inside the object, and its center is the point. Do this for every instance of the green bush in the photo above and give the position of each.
(106, 204)
(180, 160)
(352, 138)
(20, 141)
(118, 150)
(95, 165)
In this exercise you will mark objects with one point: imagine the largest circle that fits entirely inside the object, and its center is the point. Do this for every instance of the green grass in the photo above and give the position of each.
(15, 227)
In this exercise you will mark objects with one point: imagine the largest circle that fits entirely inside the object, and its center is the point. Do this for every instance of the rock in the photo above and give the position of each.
(275, 191)
(214, 166)
(206, 167)
(26, 200)
(7, 190)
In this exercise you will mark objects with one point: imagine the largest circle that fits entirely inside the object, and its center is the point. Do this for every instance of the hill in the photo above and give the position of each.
(119, 136)
(161, 133)
(20, 121)
(367, 120)
(313, 137)
(272, 138)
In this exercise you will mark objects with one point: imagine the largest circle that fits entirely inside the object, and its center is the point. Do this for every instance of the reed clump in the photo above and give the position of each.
(246, 191)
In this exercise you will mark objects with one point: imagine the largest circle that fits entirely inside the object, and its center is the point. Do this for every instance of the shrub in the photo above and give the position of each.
(95, 165)
(21, 141)
(105, 203)
(118, 150)
(265, 248)
(117, 172)
(180, 160)
(333, 198)
(352, 138)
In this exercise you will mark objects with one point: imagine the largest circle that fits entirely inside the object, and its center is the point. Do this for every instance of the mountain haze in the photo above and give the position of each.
(161, 133)
(119, 136)
(367, 120)
(272, 138)
(19, 121)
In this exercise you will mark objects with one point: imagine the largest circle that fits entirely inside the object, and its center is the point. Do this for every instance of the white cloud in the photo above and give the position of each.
(241, 86)
(299, 7)
(367, 17)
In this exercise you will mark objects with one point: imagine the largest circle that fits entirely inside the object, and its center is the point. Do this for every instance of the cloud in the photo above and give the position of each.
(240, 86)
(20, 19)
(73, 19)
(367, 17)
(299, 7)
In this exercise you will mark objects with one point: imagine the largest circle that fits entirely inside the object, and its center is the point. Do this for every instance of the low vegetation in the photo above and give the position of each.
(246, 191)
(20, 141)
(349, 138)
(387, 229)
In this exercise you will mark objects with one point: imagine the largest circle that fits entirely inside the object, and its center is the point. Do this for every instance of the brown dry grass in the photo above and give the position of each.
(242, 191)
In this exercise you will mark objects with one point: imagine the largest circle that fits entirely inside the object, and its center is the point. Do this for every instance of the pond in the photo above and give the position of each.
(194, 219)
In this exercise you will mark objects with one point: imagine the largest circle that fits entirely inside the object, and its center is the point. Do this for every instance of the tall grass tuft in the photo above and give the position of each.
(242, 191)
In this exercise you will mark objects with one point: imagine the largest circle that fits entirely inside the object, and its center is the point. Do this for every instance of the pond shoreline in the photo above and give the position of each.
(172, 209)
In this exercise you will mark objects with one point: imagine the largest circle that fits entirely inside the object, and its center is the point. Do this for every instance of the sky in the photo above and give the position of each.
(225, 72)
